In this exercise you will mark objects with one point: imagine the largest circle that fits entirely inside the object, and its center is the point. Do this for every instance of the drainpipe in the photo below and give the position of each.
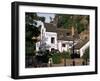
(73, 63)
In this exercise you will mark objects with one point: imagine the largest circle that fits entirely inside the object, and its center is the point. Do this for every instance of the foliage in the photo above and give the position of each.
(31, 31)
(80, 22)
(66, 55)
(41, 19)
(86, 54)
(80, 27)
(43, 56)
(56, 58)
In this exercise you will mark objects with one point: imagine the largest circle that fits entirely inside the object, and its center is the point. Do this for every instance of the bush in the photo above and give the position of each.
(86, 54)
(66, 55)
(56, 57)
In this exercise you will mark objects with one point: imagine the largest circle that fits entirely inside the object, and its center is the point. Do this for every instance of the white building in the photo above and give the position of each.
(50, 37)
(57, 38)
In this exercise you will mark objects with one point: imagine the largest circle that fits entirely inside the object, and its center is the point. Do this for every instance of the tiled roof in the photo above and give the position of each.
(50, 27)
(81, 44)
(61, 32)
(62, 35)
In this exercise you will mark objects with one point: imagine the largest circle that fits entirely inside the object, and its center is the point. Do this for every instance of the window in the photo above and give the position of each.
(70, 44)
(52, 40)
(52, 49)
(63, 45)
(68, 34)
(85, 37)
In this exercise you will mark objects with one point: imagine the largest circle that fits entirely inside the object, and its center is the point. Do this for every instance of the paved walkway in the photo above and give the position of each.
(69, 62)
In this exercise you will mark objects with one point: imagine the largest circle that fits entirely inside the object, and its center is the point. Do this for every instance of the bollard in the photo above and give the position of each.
(73, 63)
(50, 62)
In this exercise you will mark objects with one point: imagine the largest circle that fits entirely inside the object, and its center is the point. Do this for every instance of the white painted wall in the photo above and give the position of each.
(37, 46)
(61, 48)
(42, 35)
(46, 37)
(49, 35)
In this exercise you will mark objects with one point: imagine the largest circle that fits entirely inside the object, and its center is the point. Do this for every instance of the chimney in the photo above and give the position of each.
(73, 31)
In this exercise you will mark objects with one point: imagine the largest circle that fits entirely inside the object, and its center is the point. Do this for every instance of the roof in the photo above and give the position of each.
(61, 32)
(65, 38)
(81, 44)
(50, 27)
(62, 35)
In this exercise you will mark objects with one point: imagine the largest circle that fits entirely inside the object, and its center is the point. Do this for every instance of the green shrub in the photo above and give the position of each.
(66, 55)
(56, 57)
(86, 54)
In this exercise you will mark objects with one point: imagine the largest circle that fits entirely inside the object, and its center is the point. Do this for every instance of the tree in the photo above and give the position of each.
(42, 19)
(31, 31)
(86, 55)
(80, 22)
(29, 28)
